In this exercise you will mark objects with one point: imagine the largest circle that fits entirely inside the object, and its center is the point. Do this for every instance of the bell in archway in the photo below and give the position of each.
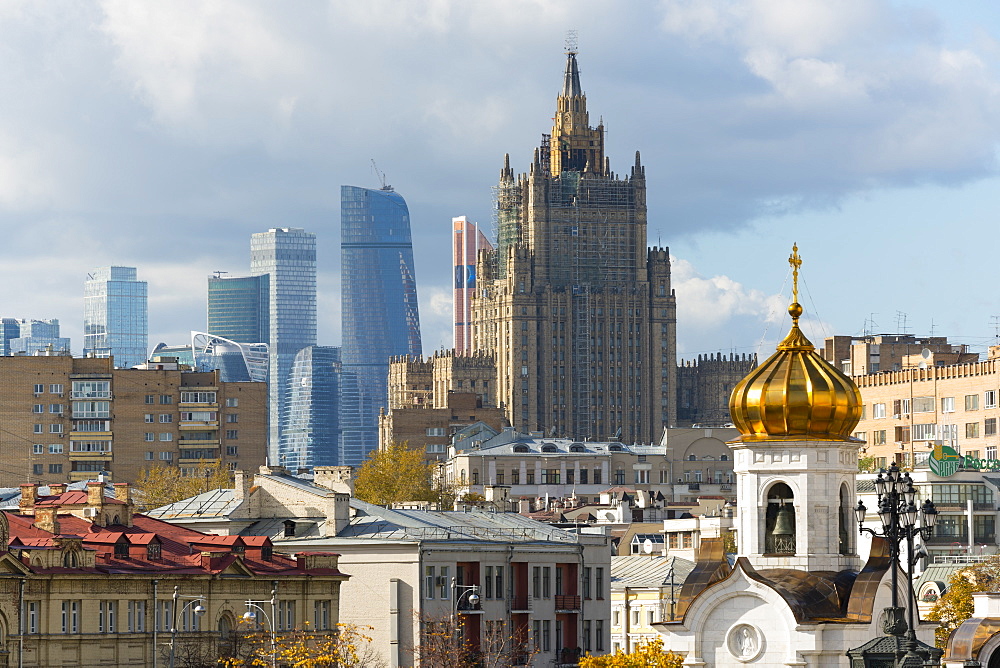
(784, 523)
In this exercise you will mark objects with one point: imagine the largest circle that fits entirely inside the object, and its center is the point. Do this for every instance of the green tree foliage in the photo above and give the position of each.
(955, 606)
(394, 475)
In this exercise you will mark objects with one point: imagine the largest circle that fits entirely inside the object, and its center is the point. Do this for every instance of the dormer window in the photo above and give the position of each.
(289, 528)
(521, 448)
(239, 549)
(154, 551)
(121, 550)
(266, 552)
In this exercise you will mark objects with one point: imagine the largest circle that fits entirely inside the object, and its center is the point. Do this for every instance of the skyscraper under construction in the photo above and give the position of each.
(577, 311)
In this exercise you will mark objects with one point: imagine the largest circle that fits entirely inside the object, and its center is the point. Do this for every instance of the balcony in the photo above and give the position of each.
(520, 604)
(694, 486)
(567, 604)
(198, 424)
(91, 456)
(90, 395)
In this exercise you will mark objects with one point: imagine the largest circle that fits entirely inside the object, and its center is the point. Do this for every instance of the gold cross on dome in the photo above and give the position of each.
(795, 261)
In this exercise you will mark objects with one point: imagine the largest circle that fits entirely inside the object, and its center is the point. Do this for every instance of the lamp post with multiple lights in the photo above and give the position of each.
(251, 616)
(898, 511)
(198, 611)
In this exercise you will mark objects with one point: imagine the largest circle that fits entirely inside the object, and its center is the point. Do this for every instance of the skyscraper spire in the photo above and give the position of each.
(571, 79)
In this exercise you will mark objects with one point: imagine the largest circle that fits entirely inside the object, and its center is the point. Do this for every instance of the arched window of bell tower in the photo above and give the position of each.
(779, 520)
(846, 517)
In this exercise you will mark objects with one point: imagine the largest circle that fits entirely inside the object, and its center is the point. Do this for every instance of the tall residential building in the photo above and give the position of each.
(238, 308)
(68, 419)
(379, 308)
(115, 320)
(467, 243)
(311, 436)
(704, 385)
(578, 313)
(287, 255)
(29, 337)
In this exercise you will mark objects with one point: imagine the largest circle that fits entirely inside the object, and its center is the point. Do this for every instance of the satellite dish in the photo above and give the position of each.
(925, 353)
(922, 365)
(647, 546)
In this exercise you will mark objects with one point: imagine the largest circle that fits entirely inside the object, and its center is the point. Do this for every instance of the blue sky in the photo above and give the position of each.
(161, 135)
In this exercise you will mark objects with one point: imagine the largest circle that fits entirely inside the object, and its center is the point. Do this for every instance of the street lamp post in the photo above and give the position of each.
(198, 611)
(898, 511)
(469, 592)
(251, 616)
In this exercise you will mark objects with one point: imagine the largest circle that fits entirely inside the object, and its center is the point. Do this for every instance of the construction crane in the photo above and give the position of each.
(381, 176)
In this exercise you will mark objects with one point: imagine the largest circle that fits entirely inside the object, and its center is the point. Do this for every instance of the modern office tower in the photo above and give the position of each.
(311, 435)
(287, 255)
(115, 320)
(238, 307)
(67, 419)
(379, 308)
(467, 243)
(30, 337)
(578, 313)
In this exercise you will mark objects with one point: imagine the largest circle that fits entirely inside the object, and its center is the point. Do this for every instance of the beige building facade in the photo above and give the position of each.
(874, 353)
(67, 419)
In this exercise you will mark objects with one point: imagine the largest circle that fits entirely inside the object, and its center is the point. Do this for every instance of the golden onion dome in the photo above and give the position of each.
(795, 394)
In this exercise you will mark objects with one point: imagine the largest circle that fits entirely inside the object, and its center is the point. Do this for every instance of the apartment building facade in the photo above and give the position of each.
(69, 419)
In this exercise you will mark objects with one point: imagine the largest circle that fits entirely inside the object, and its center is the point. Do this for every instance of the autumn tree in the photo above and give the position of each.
(955, 606)
(443, 644)
(646, 655)
(160, 485)
(394, 475)
(348, 646)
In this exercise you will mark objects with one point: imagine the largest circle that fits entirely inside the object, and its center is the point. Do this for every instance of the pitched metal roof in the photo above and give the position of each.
(648, 571)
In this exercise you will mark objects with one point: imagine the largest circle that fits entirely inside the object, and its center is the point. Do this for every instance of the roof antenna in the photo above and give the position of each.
(571, 42)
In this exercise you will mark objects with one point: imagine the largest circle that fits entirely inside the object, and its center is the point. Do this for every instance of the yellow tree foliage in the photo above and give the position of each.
(394, 475)
(955, 606)
(646, 655)
(159, 485)
(347, 647)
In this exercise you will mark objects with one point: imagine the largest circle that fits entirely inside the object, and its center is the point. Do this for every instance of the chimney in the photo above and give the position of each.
(243, 481)
(337, 478)
(95, 494)
(45, 519)
(29, 495)
(57, 488)
(122, 492)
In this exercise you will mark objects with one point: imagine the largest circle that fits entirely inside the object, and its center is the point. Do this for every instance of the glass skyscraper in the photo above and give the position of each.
(311, 435)
(378, 308)
(115, 320)
(35, 336)
(287, 255)
(238, 308)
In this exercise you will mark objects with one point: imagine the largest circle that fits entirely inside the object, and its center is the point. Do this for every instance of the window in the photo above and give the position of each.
(38, 429)
(536, 635)
(232, 418)
(642, 477)
(586, 582)
(947, 404)
(536, 581)
(56, 388)
(546, 635)
(429, 581)
(436, 431)
(444, 583)
(878, 437)
(71, 616)
(531, 476)
(620, 476)
(166, 436)
(923, 404)
(55, 429)
(550, 476)
(150, 418)
(321, 615)
(972, 402)
(197, 397)
(166, 399)
(232, 402)
(37, 449)
(924, 432)
(232, 450)
(546, 582)
(167, 456)
(583, 476)
(286, 615)
(88, 446)
(199, 416)
(232, 434)
(106, 611)
(36, 469)
(597, 476)
(635, 617)
(972, 430)
(38, 408)
(136, 617)
(91, 409)
(586, 635)
(150, 398)
(150, 436)
(515, 477)
(55, 468)
(901, 434)
(990, 399)
(91, 389)
(599, 636)
(991, 452)
(861, 435)
(32, 609)
(990, 427)
(163, 615)
(39, 388)
(878, 411)
(599, 583)
(166, 417)
(55, 448)
(91, 425)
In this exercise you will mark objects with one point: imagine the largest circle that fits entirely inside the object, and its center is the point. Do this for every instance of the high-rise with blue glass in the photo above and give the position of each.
(115, 320)
(238, 308)
(287, 255)
(311, 434)
(378, 309)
